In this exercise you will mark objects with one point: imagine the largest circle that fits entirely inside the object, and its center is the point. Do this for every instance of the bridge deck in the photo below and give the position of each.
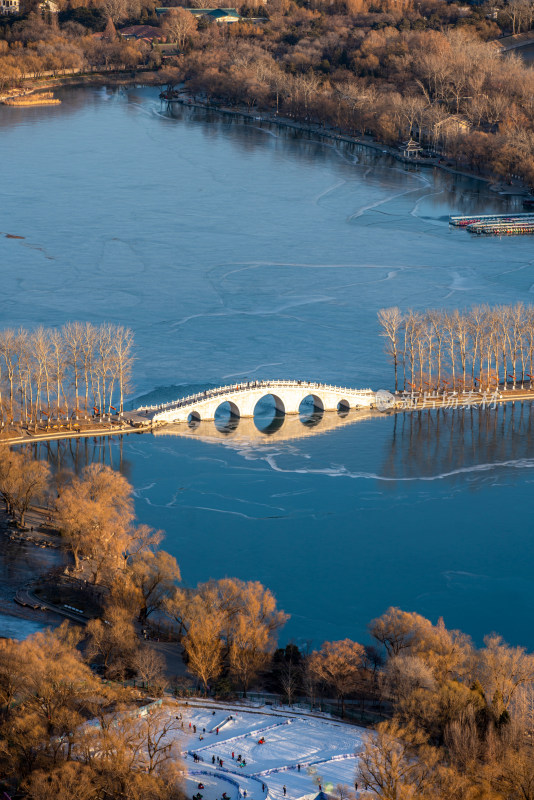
(231, 389)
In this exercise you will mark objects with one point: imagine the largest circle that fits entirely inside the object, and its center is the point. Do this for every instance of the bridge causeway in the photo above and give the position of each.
(242, 399)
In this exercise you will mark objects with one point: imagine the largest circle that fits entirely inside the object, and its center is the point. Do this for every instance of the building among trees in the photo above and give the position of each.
(9, 6)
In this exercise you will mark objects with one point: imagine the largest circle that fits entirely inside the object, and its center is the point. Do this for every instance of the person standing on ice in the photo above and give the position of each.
(284, 790)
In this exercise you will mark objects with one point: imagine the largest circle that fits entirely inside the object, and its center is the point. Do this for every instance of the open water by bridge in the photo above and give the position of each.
(240, 251)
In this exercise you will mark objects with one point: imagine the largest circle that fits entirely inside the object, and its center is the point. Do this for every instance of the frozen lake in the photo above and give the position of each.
(16, 628)
(238, 252)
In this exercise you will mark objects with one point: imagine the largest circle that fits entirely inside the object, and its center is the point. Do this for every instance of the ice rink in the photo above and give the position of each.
(325, 750)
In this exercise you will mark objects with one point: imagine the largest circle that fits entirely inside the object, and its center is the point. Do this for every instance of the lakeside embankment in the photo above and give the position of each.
(26, 557)
(27, 437)
(405, 402)
(77, 79)
(150, 77)
(452, 400)
(324, 131)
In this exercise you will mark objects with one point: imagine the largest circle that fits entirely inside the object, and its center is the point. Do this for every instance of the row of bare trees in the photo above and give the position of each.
(520, 15)
(63, 372)
(482, 348)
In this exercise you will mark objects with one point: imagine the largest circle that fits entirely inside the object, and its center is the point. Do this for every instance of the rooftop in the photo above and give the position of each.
(141, 32)
(199, 12)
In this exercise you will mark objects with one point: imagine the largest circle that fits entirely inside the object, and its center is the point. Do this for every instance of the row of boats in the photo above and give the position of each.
(496, 224)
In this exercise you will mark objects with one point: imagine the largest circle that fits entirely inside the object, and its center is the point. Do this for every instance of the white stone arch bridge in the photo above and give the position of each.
(243, 398)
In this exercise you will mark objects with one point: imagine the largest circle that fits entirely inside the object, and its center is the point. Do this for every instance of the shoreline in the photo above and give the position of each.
(33, 86)
(40, 545)
(30, 438)
(152, 78)
(404, 404)
(325, 132)
(461, 400)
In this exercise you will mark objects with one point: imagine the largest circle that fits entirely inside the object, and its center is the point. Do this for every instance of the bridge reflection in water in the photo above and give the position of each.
(408, 445)
(282, 428)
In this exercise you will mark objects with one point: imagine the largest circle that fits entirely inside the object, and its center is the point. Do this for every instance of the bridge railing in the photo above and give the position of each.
(251, 385)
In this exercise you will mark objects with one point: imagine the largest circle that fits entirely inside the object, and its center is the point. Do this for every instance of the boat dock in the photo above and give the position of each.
(496, 224)
(515, 228)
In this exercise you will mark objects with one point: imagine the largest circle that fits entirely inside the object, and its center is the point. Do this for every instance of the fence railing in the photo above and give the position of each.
(209, 394)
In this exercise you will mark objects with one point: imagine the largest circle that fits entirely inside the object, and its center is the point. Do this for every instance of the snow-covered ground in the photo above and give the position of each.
(326, 751)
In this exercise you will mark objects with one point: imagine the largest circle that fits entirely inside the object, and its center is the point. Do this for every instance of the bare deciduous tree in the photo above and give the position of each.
(203, 644)
(179, 25)
(391, 321)
(396, 763)
(22, 480)
(95, 513)
(338, 665)
(150, 668)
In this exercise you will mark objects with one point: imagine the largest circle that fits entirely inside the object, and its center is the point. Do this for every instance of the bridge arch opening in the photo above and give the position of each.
(226, 417)
(193, 420)
(343, 408)
(269, 413)
(311, 410)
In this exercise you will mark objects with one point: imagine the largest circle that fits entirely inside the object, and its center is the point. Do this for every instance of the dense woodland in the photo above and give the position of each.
(481, 349)
(457, 719)
(388, 68)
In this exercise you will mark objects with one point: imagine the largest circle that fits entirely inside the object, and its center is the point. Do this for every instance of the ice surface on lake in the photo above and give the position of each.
(17, 628)
(238, 252)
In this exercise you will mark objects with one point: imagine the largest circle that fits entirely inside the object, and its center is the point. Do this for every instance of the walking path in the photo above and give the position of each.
(142, 420)
(124, 428)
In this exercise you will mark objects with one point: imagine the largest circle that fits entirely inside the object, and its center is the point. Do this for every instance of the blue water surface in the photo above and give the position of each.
(249, 251)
